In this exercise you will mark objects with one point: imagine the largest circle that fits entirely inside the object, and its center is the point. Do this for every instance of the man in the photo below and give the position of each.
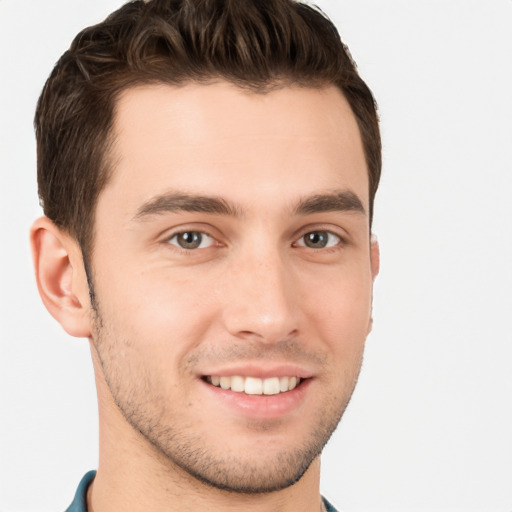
(207, 171)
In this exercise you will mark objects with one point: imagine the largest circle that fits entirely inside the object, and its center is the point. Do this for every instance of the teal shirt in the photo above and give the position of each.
(80, 502)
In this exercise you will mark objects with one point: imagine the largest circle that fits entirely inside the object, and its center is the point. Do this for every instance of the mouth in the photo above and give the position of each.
(258, 393)
(254, 385)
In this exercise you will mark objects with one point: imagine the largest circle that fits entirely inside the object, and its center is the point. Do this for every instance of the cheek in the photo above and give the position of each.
(341, 310)
(158, 312)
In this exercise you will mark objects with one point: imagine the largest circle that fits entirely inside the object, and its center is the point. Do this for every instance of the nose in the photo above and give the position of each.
(261, 300)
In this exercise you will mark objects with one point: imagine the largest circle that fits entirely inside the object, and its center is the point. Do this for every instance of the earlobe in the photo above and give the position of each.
(60, 277)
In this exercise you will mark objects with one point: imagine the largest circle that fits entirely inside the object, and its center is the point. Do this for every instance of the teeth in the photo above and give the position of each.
(253, 385)
(271, 386)
(237, 384)
(225, 382)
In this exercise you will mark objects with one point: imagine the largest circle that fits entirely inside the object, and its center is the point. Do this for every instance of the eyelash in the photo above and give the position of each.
(339, 241)
(300, 242)
(202, 234)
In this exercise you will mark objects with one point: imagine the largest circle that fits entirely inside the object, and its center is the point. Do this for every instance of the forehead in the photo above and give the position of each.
(218, 139)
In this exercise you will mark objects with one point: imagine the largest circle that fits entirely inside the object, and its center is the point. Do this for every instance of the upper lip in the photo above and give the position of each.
(259, 370)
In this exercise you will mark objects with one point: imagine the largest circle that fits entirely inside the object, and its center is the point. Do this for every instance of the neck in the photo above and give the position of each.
(137, 492)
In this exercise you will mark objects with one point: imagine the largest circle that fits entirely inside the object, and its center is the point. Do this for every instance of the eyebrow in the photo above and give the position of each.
(343, 201)
(169, 203)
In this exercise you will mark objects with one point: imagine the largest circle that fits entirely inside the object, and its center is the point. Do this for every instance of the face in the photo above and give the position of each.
(232, 272)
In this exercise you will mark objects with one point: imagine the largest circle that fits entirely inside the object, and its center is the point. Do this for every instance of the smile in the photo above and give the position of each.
(254, 385)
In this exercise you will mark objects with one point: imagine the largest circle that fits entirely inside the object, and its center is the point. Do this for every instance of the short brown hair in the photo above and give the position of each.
(254, 44)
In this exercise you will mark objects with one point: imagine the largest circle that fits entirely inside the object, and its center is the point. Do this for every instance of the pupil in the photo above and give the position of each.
(190, 240)
(316, 240)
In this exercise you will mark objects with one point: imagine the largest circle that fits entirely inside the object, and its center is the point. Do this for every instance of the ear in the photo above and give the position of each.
(375, 267)
(374, 256)
(61, 278)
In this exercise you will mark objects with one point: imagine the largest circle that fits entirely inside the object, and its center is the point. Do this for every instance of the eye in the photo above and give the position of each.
(318, 240)
(191, 240)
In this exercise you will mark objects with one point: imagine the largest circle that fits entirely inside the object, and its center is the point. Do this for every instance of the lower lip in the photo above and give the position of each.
(261, 406)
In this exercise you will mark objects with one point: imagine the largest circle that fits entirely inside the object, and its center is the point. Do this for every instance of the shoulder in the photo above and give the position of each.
(80, 501)
(328, 506)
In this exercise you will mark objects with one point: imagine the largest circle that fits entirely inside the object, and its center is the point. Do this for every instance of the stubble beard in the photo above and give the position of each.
(181, 449)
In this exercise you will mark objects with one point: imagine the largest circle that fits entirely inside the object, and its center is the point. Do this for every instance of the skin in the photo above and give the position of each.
(252, 298)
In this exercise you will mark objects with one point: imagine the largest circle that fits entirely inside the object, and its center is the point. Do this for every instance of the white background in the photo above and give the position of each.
(430, 425)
